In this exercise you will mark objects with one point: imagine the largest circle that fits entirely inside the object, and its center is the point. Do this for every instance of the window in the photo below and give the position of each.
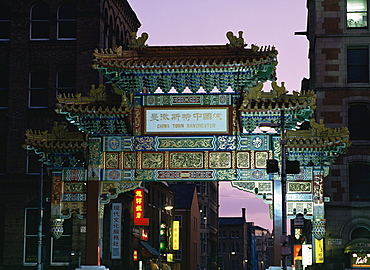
(359, 181)
(358, 65)
(2, 234)
(38, 89)
(356, 13)
(359, 121)
(3, 142)
(179, 218)
(33, 163)
(67, 23)
(61, 248)
(177, 254)
(39, 22)
(4, 86)
(360, 232)
(4, 21)
(31, 236)
(66, 81)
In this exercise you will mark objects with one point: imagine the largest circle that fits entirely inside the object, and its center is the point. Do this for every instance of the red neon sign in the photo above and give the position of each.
(139, 219)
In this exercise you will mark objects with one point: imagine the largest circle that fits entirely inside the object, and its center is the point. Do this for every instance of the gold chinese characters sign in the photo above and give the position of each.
(189, 120)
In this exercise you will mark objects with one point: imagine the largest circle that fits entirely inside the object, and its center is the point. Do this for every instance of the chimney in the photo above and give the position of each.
(243, 213)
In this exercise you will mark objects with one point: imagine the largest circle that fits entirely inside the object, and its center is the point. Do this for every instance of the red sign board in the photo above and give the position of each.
(144, 234)
(139, 219)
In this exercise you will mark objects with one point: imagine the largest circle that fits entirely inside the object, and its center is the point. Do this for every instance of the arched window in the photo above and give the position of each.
(359, 181)
(40, 22)
(360, 232)
(67, 21)
(38, 88)
(359, 121)
(4, 21)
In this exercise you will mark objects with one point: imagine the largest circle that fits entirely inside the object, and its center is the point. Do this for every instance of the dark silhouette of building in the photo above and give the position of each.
(187, 213)
(233, 242)
(46, 49)
(338, 36)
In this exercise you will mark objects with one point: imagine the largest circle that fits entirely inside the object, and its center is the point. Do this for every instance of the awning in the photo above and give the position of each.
(359, 245)
(149, 248)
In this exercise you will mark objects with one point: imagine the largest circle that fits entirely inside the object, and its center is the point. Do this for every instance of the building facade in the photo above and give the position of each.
(187, 213)
(339, 36)
(46, 49)
(233, 242)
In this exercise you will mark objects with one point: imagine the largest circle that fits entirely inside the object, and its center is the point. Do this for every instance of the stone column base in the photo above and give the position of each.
(92, 267)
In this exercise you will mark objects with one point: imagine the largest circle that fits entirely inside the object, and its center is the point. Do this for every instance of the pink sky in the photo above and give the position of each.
(202, 22)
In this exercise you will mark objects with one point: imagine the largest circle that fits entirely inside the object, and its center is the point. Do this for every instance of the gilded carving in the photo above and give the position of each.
(97, 93)
(186, 160)
(112, 160)
(261, 158)
(129, 160)
(185, 143)
(144, 175)
(220, 160)
(243, 160)
(152, 160)
(299, 187)
(70, 187)
(226, 175)
(59, 130)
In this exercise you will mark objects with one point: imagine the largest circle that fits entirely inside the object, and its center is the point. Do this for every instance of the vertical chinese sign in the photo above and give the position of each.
(115, 241)
(176, 235)
(139, 219)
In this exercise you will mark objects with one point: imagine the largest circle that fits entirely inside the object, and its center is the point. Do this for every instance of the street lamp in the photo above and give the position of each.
(284, 251)
(231, 253)
(160, 207)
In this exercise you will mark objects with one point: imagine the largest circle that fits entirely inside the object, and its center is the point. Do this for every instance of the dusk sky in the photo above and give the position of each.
(205, 22)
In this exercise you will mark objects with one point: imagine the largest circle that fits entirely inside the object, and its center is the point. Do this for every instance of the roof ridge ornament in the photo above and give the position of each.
(138, 43)
(235, 42)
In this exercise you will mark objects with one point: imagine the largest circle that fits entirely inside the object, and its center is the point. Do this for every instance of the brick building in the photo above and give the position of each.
(339, 37)
(187, 213)
(45, 49)
(233, 242)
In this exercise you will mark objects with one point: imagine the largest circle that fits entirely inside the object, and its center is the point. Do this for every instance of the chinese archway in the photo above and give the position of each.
(178, 113)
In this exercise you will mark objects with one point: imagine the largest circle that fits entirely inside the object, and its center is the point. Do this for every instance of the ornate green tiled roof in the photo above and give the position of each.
(146, 68)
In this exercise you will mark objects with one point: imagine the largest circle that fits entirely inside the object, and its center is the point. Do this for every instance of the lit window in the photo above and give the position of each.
(358, 65)
(359, 181)
(356, 13)
(66, 82)
(4, 22)
(40, 22)
(67, 23)
(359, 121)
(38, 89)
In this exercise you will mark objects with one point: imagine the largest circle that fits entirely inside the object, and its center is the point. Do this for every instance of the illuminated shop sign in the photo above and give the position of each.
(163, 236)
(188, 120)
(360, 260)
(144, 234)
(139, 219)
(319, 251)
(307, 254)
(176, 235)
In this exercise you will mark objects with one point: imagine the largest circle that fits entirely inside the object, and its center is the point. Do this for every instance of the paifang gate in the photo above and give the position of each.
(180, 113)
